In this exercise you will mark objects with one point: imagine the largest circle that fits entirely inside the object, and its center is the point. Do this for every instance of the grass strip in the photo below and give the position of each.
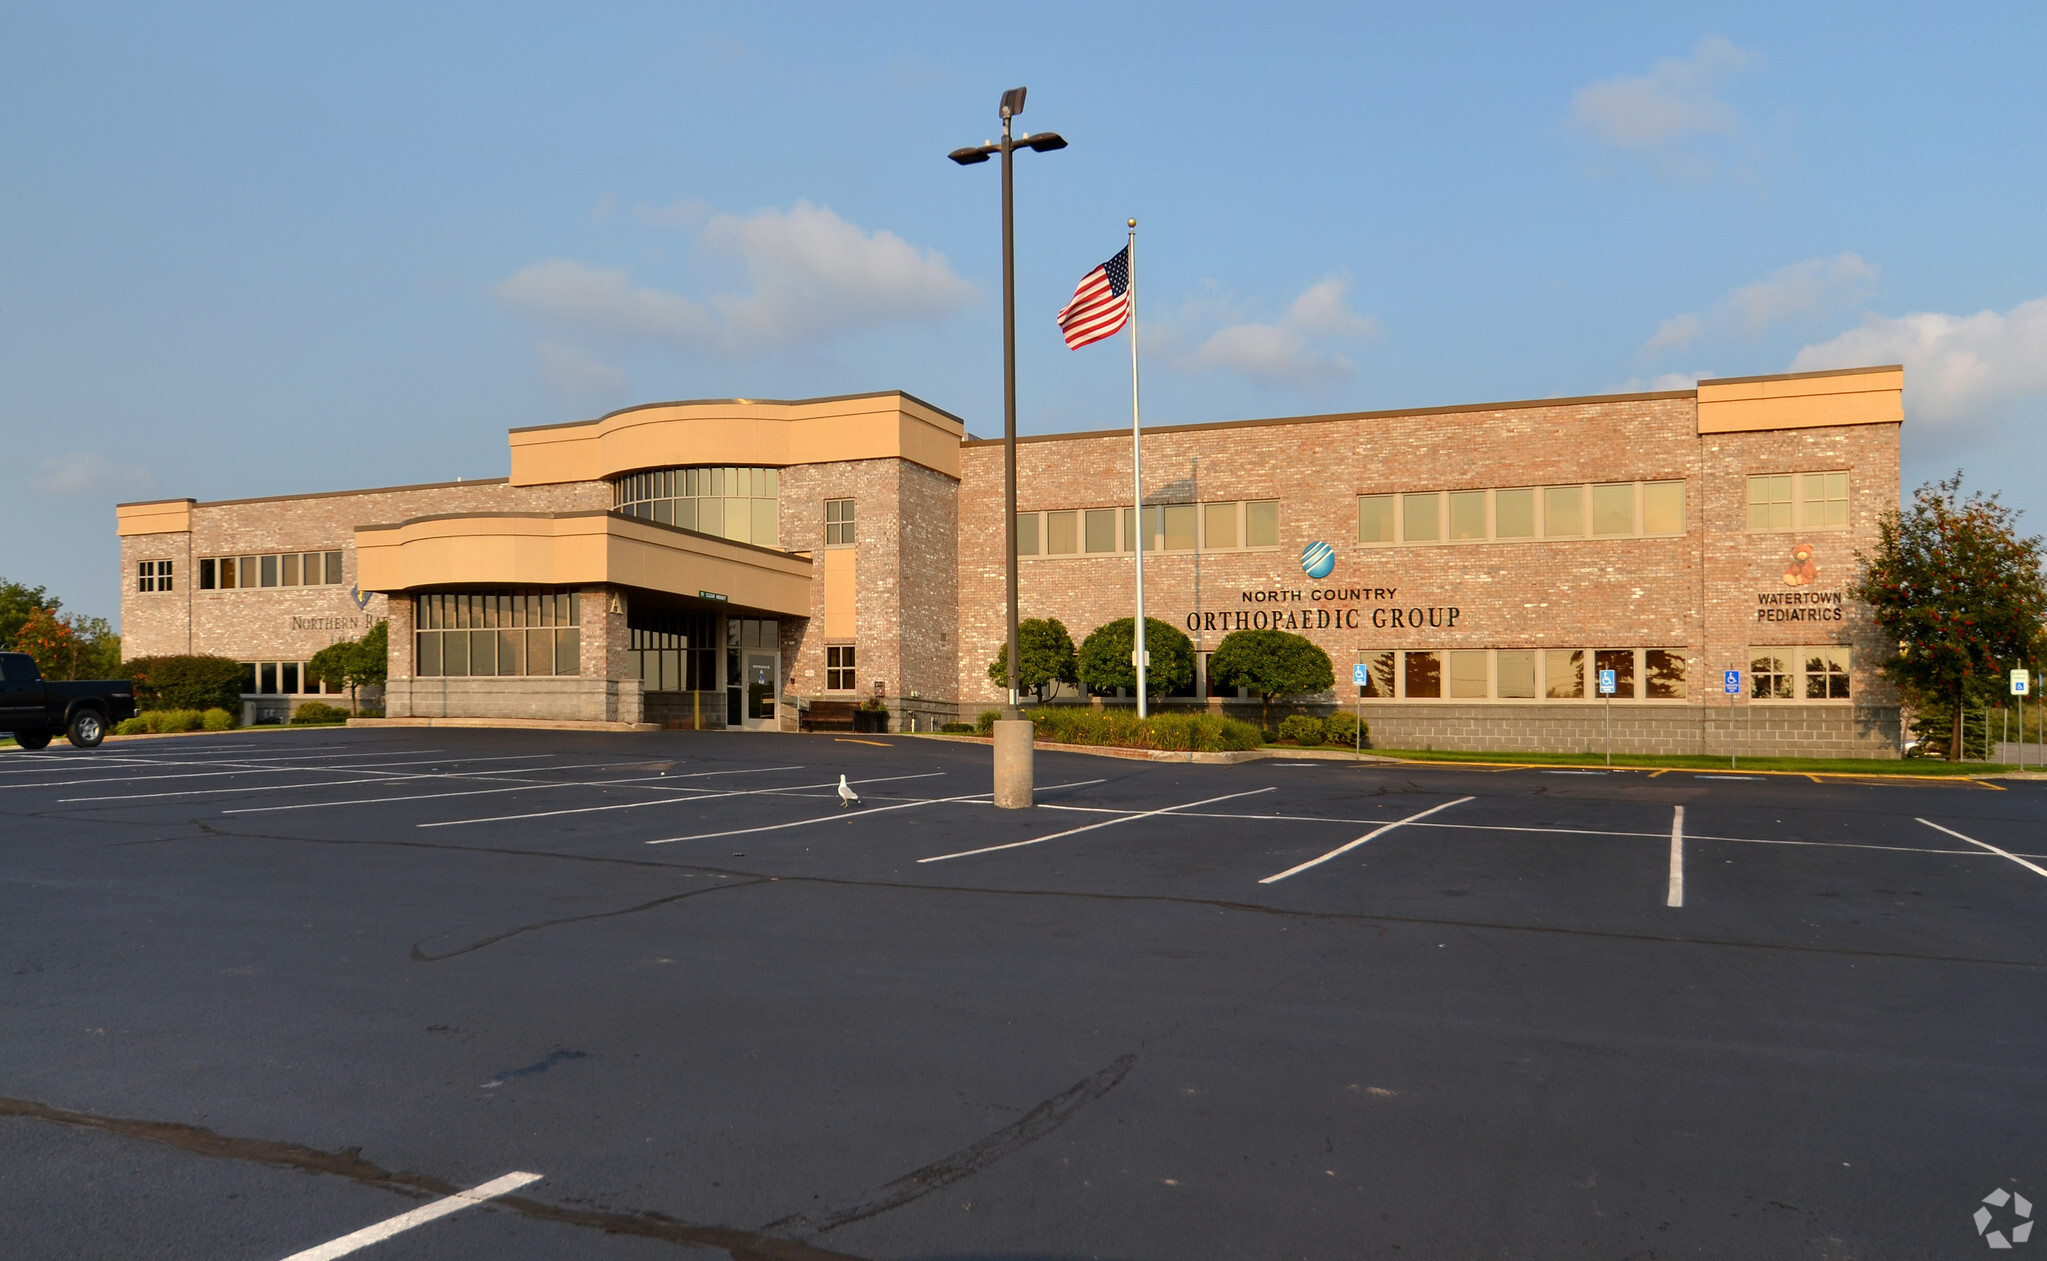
(1922, 767)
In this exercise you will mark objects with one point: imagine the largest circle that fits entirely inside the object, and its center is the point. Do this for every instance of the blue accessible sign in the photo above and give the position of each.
(1360, 674)
(1606, 683)
(1731, 683)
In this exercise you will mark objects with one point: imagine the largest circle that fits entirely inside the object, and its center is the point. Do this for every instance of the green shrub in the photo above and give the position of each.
(985, 724)
(317, 712)
(185, 682)
(957, 728)
(1201, 733)
(1301, 729)
(217, 719)
(132, 726)
(1343, 729)
(172, 721)
(1105, 657)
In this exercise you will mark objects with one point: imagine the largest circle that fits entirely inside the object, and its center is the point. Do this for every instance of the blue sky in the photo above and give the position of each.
(264, 250)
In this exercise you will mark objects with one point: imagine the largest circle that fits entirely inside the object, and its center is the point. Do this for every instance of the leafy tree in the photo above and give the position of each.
(1105, 663)
(1046, 652)
(1961, 593)
(185, 682)
(354, 663)
(52, 642)
(1271, 663)
(18, 603)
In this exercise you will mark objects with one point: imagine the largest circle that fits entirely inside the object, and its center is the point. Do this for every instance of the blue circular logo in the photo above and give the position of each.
(1317, 559)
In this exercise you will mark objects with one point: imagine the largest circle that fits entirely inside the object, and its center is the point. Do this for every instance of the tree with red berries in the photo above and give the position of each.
(1958, 588)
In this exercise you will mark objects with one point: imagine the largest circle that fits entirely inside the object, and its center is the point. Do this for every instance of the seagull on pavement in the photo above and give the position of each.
(847, 797)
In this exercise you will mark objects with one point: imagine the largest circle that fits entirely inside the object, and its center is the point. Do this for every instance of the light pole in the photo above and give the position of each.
(1012, 732)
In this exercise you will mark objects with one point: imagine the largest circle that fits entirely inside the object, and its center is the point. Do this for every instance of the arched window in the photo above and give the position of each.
(740, 504)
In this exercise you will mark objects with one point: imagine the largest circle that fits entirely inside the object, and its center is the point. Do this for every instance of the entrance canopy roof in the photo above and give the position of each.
(568, 549)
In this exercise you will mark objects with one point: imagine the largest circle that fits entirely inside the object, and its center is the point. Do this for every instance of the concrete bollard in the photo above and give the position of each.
(1013, 763)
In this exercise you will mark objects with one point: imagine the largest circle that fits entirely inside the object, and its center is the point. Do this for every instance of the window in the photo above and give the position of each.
(668, 650)
(838, 524)
(1062, 533)
(1424, 675)
(1663, 507)
(1613, 509)
(1516, 673)
(1563, 512)
(1769, 677)
(1099, 529)
(1823, 501)
(1420, 518)
(153, 575)
(498, 632)
(1375, 519)
(1468, 675)
(741, 504)
(1261, 523)
(1514, 514)
(333, 571)
(838, 667)
(1218, 526)
(206, 575)
(1663, 674)
(1826, 674)
(1467, 514)
(1564, 672)
(1378, 676)
(269, 570)
(1622, 662)
(1769, 503)
(1026, 534)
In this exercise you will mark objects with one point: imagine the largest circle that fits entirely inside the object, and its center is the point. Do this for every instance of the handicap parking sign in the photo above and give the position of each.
(1731, 683)
(1606, 683)
(1360, 674)
(2021, 682)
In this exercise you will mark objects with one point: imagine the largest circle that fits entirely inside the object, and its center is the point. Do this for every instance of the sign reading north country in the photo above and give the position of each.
(1317, 559)
(2021, 682)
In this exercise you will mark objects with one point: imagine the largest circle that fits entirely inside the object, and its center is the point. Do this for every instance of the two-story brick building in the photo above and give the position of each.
(708, 563)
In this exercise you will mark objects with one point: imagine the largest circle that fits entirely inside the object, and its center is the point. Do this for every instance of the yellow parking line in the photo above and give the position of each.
(876, 743)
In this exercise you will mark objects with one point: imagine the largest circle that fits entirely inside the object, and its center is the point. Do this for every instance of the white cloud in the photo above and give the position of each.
(1661, 116)
(1282, 352)
(812, 274)
(574, 371)
(1662, 383)
(1958, 368)
(82, 474)
(1813, 286)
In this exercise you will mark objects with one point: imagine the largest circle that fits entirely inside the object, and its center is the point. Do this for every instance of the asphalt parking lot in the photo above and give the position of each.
(636, 996)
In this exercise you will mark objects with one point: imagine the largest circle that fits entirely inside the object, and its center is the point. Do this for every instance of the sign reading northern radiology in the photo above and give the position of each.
(1388, 615)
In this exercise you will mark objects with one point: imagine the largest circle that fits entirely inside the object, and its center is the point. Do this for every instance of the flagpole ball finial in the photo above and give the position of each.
(1133, 223)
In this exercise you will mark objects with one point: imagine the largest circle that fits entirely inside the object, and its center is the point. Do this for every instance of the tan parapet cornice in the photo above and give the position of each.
(1803, 400)
(160, 516)
(755, 432)
(569, 549)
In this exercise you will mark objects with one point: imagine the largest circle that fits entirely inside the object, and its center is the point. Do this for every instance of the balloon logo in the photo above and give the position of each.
(1317, 559)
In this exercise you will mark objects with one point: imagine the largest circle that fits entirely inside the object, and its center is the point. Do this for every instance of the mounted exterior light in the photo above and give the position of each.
(1012, 102)
(1046, 141)
(967, 157)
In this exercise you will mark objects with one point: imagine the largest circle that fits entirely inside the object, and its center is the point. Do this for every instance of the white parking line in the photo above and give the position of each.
(1106, 823)
(977, 798)
(238, 767)
(375, 777)
(670, 801)
(1381, 830)
(2032, 867)
(1677, 858)
(420, 1216)
(651, 781)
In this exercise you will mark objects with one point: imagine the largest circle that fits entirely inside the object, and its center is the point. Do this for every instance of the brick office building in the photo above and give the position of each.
(712, 562)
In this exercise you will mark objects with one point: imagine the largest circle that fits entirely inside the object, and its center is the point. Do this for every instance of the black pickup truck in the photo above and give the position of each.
(36, 709)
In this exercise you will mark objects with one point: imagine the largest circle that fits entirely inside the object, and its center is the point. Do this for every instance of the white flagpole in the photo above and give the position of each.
(1137, 481)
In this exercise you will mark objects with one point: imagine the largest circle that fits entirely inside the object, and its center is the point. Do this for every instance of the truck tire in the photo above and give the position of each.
(32, 739)
(88, 728)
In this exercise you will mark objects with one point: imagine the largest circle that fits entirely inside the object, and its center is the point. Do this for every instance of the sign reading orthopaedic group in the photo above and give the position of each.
(1329, 608)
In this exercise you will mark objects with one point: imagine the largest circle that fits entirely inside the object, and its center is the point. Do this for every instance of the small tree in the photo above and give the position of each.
(1271, 663)
(18, 603)
(1105, 663)
(354, 663)
(53, 643)
(1045, 652)
(185, 682)
(1959, 591)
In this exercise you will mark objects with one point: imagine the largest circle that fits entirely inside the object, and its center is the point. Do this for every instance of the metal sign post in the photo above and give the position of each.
(1359, 674)
(1730, 682)
(1607, 685)
(2021, 684)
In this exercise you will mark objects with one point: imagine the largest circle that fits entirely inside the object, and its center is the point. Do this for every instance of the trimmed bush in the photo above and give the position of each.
(1301, 729)
(985, 724)
(957, 728)
(138, 725)
(173, 721)
(217, 719)
(1200, 733)
(185, 682)
(313, 712)
(1105, 663)
(1343, 729)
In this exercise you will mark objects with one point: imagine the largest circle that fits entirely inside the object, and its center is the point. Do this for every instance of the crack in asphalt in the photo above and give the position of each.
(740, 1245)
(971, 1159)
(419, 956)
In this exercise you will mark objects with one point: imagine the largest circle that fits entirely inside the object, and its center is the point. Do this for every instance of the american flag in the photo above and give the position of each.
(1100, 305)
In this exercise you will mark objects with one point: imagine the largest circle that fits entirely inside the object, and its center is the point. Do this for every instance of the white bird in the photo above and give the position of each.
(847, 797)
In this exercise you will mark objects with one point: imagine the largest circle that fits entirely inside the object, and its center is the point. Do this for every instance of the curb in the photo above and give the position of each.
(516, 724)
(1227, 758)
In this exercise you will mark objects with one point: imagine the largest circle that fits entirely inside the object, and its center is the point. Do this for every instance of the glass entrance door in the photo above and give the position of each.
(763, 684)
